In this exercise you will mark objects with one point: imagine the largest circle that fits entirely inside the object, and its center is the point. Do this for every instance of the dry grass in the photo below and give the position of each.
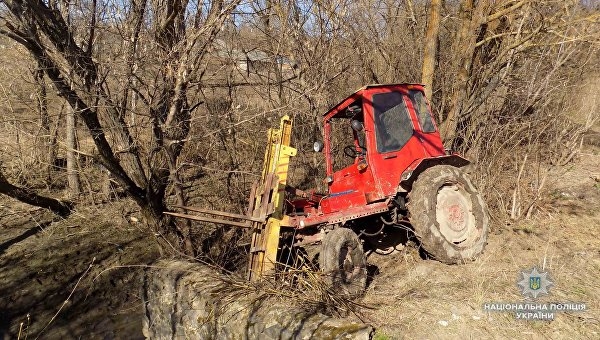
(307, 290)
(429, 300)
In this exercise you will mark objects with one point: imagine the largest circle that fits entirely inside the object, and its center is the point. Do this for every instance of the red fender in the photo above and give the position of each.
(415, 168)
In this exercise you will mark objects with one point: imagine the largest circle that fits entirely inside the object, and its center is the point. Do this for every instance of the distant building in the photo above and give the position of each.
(252, 61)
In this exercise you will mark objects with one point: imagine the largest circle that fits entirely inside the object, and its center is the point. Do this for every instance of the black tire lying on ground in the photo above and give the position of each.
(448, 214)
(343, 261)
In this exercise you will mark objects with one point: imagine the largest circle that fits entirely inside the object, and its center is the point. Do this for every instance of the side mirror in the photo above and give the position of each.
(318, 146)
(357, 125)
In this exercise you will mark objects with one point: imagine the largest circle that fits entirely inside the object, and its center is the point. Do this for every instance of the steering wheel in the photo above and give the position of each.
(351, 151)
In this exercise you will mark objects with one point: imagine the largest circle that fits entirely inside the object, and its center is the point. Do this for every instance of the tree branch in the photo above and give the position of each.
(30, 197)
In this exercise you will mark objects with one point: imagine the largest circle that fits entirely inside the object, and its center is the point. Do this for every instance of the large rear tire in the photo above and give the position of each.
(448, 215)
(343, 261)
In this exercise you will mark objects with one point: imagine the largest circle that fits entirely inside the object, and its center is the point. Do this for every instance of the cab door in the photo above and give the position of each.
(352, 178)
(395, 144)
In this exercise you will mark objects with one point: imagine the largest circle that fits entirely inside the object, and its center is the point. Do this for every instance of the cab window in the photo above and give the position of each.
(341, 136)
(393, 127)
(422, 110)
(344, 136)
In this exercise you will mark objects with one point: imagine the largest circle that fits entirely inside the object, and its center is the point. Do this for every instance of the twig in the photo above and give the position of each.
(20, 330)
(68, 297)
(516, 205)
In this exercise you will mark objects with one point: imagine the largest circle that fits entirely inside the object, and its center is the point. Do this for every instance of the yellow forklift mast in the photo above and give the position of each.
(265, 206)
(268, 198)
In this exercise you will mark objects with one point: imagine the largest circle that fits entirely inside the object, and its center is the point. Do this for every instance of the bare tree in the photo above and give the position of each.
(491, 37)
(179, 47)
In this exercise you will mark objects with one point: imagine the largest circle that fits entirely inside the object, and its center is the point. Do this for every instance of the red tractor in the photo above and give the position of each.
(396, 173)
(386, 170)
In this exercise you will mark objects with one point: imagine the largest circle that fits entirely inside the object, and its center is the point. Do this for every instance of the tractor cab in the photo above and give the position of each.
(371, 138)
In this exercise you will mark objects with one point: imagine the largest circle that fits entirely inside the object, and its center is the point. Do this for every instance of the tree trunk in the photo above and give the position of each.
(72, 171)
(411, 11)
(183, 227)
(168, 236)
(71, 138)
(47, 144)
(28, 196)
(431, 46)
(185, 300)
(464, 47)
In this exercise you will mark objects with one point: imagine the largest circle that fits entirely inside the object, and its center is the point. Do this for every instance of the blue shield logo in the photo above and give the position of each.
(535, 282)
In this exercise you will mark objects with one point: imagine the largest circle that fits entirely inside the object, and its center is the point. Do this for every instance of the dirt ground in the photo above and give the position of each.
(80, 278)
(72, 279)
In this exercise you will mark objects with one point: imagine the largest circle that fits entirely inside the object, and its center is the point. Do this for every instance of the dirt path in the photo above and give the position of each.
(94, 255)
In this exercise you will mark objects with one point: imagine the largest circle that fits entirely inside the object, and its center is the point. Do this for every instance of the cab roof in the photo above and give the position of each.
(338, 110)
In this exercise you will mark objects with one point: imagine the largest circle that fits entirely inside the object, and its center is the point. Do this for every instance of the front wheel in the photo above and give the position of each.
(343, 261)
(448, 214)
